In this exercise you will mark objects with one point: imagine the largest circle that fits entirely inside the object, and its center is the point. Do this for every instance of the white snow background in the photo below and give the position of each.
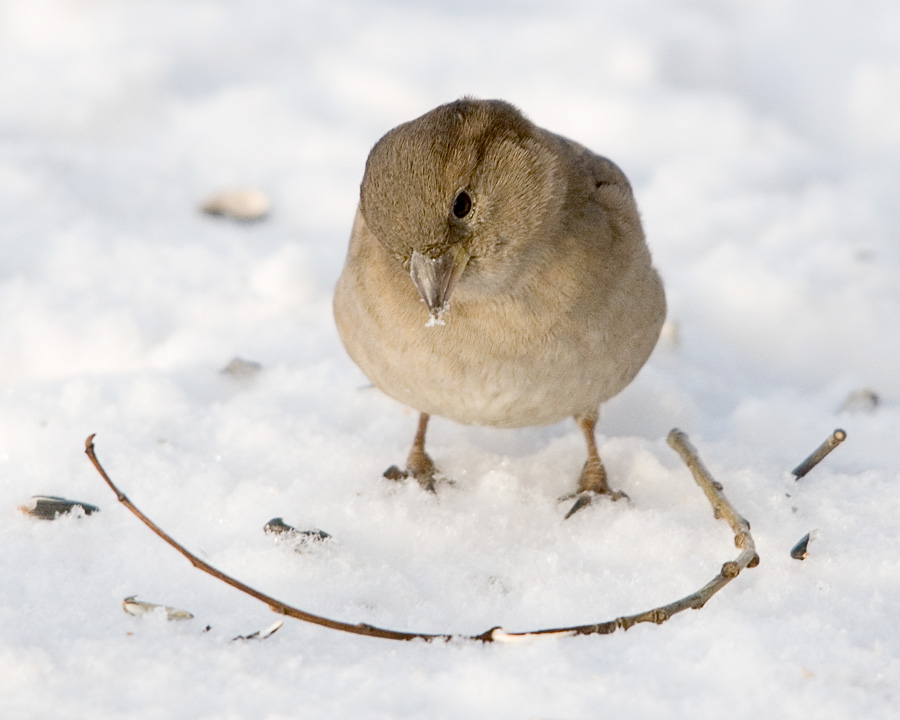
(763, 142)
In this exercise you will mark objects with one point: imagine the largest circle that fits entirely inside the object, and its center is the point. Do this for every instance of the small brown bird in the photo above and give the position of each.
(497, 275)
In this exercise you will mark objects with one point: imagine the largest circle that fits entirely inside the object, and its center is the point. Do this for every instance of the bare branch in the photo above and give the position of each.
(818, 455)
(722, 509)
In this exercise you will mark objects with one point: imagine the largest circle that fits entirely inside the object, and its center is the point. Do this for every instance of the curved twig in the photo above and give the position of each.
(678, 440)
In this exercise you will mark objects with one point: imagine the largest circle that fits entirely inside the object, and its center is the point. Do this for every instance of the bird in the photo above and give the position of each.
(497, 274)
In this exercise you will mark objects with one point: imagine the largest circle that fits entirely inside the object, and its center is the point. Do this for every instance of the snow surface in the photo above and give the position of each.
(763, 141)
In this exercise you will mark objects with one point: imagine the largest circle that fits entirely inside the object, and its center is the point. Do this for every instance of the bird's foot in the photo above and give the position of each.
(591, 485)
(426, 482)
(420, 467)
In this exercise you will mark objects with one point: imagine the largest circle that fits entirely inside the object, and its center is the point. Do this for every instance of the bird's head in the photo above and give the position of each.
(458, 196)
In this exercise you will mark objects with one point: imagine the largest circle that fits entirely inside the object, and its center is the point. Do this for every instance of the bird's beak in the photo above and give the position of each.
(435, 278)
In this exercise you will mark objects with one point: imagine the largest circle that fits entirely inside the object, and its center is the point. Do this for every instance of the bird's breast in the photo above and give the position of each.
(489, 363)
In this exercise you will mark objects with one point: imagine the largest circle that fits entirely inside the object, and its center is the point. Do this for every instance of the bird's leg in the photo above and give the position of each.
(418, 463)
(593, 475)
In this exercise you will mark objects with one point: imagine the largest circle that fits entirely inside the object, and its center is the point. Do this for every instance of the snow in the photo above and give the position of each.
(763, 142)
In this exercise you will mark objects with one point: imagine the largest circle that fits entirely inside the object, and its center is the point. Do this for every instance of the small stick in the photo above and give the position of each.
(818, 455)
(696, 600)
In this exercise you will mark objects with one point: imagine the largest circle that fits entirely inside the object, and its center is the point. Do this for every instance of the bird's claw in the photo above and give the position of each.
(396, 474)
(582, 501)
(587, 497)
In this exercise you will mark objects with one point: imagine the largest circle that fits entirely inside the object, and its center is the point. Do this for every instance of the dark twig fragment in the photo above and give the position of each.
(281, 531)
(800, 550)
(262, 634)
(722, 509)
(833, 440)
(50, 507)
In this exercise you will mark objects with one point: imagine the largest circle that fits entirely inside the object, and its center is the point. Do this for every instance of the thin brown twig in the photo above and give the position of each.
(274, 604)
(678, 440)
(819, 454)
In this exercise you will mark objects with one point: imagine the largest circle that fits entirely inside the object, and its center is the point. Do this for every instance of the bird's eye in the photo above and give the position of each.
(462, 205)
